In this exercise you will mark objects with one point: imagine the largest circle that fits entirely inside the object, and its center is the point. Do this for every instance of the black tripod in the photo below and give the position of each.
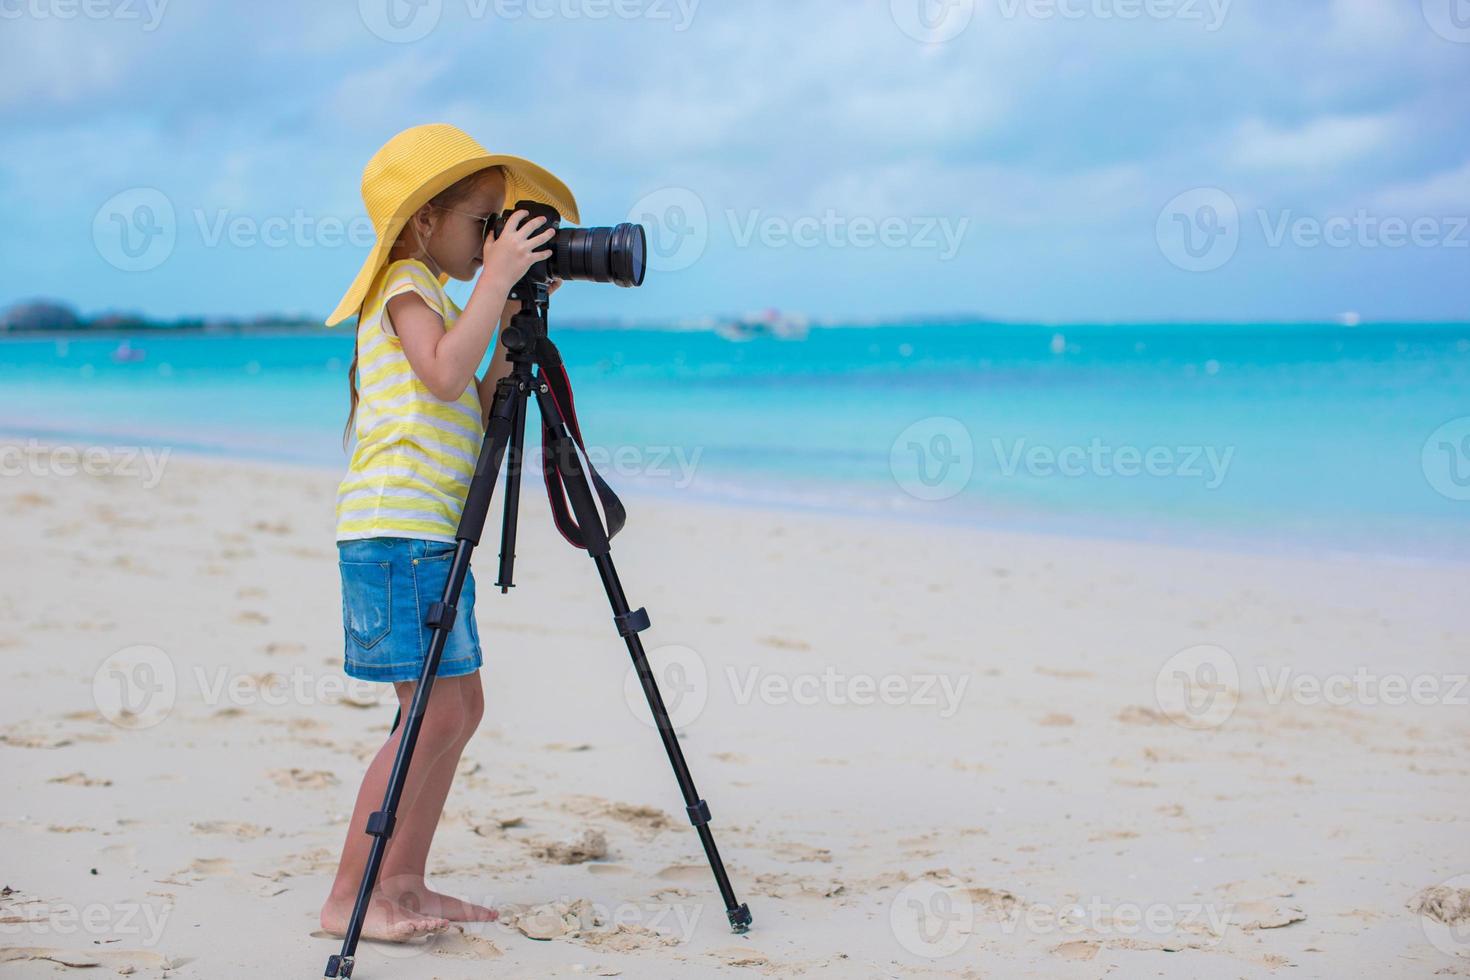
(528, 346)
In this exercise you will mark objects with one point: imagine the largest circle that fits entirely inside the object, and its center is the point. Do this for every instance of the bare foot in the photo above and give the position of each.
(386, 920)
(424, 899)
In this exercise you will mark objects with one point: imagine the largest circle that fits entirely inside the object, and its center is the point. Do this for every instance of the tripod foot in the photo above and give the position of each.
(739, 918)
(338, 968)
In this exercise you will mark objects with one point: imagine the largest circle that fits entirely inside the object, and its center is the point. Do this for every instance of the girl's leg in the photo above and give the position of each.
(386, 919)
(408, 853)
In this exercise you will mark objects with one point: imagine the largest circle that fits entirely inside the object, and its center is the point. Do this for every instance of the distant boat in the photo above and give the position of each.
(1349, 319)
(126, 353)
(768, 323)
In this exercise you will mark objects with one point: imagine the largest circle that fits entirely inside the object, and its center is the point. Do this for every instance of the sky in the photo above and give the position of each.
(1034, 160)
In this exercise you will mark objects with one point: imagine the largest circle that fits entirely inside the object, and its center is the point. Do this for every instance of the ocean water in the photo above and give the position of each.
(1314, 437)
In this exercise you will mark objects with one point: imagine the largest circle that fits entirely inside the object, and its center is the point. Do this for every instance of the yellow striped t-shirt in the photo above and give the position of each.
(414, 454)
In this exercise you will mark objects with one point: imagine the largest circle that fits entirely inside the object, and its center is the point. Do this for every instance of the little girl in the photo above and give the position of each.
(419, 413)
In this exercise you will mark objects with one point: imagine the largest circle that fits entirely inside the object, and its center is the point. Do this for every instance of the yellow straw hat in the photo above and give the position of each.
(417, 164)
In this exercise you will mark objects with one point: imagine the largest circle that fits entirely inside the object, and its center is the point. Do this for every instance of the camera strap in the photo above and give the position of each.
(554, 373)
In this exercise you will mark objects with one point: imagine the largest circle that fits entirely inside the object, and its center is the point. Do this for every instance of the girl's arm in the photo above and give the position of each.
(499, 363)
(445, 360)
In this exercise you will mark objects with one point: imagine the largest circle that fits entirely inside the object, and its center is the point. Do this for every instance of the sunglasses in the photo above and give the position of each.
(483, 219)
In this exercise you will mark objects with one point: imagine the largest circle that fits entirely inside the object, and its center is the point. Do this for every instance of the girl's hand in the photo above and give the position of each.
(518, 247)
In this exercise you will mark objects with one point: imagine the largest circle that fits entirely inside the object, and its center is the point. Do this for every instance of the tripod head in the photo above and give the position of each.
(527, 325)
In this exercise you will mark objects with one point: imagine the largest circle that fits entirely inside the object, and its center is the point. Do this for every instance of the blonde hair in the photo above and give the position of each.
(447, 198)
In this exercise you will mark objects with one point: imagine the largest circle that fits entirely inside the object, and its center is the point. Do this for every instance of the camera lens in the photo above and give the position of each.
(629, 247)
(615, 255)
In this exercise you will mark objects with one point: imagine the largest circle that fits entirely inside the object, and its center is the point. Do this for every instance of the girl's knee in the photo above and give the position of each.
(474, 706)
(442, 724)
(456, 706)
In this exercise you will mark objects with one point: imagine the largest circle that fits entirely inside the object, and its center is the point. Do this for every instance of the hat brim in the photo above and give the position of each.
(525, 181)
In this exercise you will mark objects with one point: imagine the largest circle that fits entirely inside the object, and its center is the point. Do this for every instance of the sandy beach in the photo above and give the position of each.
(929, 751)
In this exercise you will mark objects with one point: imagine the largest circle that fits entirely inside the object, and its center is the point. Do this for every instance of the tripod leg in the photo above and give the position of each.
(515, 459)
(630, 623)
(440, 619)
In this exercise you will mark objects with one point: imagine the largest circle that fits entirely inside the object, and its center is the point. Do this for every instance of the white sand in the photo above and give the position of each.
(1032, 819)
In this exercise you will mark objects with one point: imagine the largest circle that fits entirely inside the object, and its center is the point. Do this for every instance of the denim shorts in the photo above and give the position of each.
(388, 585)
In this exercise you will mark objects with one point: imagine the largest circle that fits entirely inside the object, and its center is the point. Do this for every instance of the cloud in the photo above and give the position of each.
(56, 64)
(395, 86)
(1049, 130)
(995, 195)
(1328, 143)
(1446, 193)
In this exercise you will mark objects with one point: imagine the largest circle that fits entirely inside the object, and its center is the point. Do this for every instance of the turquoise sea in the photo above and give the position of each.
(1305, 436)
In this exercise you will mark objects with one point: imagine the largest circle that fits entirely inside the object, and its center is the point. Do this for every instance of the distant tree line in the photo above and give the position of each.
(49, 315)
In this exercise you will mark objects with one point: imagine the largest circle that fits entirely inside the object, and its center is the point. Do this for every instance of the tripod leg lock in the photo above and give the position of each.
(633, 621)
(380, 823)
(739, 918)
(441, 616)
(338, 967)
(698, 813)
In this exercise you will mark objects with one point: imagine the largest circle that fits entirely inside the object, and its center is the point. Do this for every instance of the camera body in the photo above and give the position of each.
(617, 254)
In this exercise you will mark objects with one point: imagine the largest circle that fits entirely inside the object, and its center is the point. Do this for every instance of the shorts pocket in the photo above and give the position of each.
(438, 549)
(367, 601)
